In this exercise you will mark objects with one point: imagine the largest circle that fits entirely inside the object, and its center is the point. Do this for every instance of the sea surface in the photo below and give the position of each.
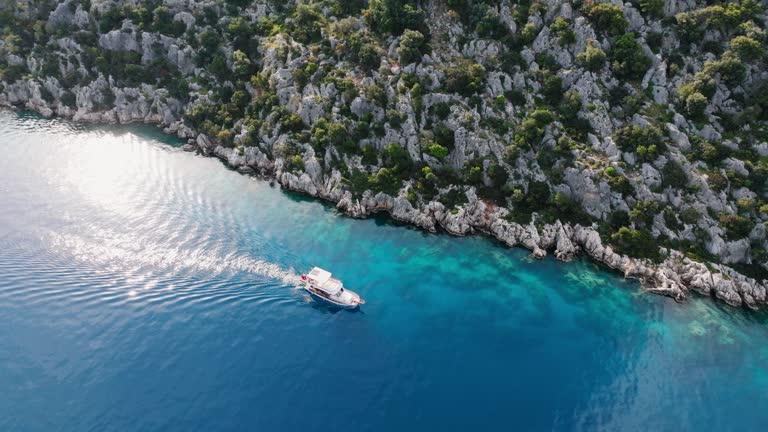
(143, 288)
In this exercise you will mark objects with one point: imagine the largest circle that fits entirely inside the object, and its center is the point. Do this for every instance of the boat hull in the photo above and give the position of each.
(328, 302)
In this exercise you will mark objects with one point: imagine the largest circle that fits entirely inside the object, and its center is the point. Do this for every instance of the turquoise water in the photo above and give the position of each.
(143, 288)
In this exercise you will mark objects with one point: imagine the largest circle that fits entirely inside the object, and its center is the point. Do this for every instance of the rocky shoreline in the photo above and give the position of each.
(676, 276)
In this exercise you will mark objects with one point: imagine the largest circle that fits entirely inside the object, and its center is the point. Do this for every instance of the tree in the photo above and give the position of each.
(465, 77)
(627, 58)
(563, 30)
(385, 181)
(592, 58)
(308, 24)
(695, 104)
(397, 157)
(552, 89)
(368, 56)
(632, 137)
(673, 175)
(606, 17)
(437, 151)
(412, 45)
(636, 243)
(394, 16)
(688, 28)
(653, 8)
(736, 226)
(241, 64)
(747, 48)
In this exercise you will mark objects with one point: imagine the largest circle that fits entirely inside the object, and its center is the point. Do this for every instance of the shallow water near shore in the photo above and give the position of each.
(143, 288)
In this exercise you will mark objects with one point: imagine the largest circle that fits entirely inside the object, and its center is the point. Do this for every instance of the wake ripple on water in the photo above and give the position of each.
(119, 251)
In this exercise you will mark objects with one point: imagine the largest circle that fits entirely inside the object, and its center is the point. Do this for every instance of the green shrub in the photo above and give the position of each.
(717, 181)
(485, 21)
(241, 64)
(695, 104)
(528, 33)
(531, 129)
(570, 105)
(301, 77)
(397, 158)
(342, 8)
(412, 46)
(308, 24)
(444, 136)
(163, 22)
(673, 175)
(68, 99)
(627, 58)
(606, 17)
(465, 77)
(368, 56)
(620, 184)
(636, 243)
(592, 58)
(631, 138)
(688, 28)
(511, 153)
(394, 16)
(385, 181)
(437, 151)
(652, 8)
(295, 163)
(730, 68)
(747, 48)
(563, 30)
(552, 89)
(370, 156)
(736, 227)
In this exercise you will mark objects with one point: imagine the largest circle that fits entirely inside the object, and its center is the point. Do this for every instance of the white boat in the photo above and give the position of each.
(327, 289)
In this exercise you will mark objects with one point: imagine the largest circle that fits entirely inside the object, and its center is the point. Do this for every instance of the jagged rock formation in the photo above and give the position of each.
(545, 124)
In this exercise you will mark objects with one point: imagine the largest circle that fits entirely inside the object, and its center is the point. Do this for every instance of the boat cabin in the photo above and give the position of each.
(322, 280)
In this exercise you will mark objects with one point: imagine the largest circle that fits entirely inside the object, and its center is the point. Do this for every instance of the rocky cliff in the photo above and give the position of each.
(632, 132)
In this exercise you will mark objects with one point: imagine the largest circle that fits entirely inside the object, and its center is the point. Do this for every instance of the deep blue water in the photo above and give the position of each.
(143, 288)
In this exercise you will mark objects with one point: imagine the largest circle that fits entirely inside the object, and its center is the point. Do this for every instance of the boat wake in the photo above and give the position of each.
(124, 252)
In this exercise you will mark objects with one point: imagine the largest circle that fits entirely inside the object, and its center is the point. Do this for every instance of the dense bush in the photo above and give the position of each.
(635, 243)
(437, 151)
(385, 181)
(688, 28)
(627, 58)
(552, 89)
(606, 17)
(652, 8)
(747, 48)
(531, 130)
(482, 18)
(412, 45)
(592, 58)
(563, 30)
(394, 16)
(397, 158)
(465, 77)
(695, 104)
(641, 139)
(368, 56)
(673, 175)
(308, 24)
(736, 227)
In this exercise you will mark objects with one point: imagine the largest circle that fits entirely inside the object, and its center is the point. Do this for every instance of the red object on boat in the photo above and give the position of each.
(303, 277)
